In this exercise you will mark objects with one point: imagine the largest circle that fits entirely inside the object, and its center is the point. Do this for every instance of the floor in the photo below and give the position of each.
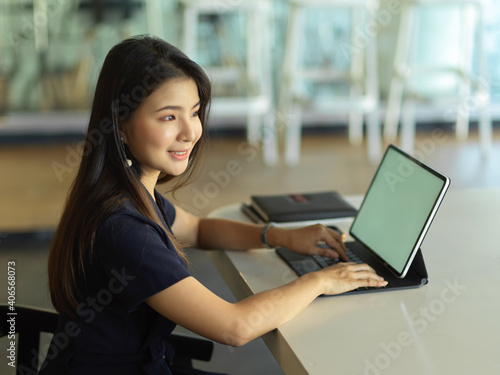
(36, 178)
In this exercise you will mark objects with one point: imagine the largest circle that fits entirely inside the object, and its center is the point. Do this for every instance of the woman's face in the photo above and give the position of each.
(163, 130)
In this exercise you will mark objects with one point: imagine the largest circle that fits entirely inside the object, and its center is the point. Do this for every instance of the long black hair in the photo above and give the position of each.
(132, 70)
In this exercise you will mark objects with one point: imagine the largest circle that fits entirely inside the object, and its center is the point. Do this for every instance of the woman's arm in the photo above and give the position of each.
(215, 233)
(208, 233)
(185, 227)
(191, 305)
(232, 235)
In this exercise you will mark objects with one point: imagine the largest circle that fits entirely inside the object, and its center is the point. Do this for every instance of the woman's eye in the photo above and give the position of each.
(168, 118)
(195, 114)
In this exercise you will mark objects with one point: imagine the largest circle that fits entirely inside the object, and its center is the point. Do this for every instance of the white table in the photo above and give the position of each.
(450, 326)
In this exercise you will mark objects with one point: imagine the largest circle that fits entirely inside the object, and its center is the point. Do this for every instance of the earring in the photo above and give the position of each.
(129, 161)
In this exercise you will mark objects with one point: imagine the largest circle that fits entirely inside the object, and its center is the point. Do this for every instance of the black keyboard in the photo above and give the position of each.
(318, 262)
(325, 262)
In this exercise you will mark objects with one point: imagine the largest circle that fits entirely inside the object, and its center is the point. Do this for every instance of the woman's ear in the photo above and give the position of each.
(123, 137)
(123, 133)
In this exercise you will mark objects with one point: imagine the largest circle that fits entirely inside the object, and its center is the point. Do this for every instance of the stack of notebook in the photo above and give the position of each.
(290, 208)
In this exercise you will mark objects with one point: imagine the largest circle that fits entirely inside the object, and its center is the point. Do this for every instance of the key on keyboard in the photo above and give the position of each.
(302, 267)
(325, 261)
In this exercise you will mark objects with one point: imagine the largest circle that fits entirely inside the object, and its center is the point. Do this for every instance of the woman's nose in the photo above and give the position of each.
(187, 132)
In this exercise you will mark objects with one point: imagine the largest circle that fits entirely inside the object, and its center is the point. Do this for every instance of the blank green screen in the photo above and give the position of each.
(396, 207)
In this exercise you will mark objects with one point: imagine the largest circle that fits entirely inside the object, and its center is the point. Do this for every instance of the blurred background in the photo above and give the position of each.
(51, 51)
(307, 95)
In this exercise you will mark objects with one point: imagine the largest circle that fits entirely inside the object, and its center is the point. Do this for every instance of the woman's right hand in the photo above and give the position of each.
(344, 277)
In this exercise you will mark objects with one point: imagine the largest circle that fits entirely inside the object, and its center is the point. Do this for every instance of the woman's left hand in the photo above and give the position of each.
(305, 240)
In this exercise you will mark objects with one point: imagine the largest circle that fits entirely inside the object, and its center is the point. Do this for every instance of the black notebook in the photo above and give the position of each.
(298, 207)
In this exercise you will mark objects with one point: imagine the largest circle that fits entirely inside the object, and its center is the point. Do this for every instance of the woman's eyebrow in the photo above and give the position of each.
(176, 107)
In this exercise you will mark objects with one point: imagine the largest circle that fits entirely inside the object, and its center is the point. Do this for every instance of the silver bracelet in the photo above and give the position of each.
(263, 234)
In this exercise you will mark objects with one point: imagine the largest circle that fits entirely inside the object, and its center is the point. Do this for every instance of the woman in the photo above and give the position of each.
(117, 272)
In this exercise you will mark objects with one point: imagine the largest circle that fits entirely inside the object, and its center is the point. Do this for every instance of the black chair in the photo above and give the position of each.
(31, 322)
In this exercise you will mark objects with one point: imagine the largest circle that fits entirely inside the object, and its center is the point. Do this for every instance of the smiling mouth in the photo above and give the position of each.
(179, 155)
